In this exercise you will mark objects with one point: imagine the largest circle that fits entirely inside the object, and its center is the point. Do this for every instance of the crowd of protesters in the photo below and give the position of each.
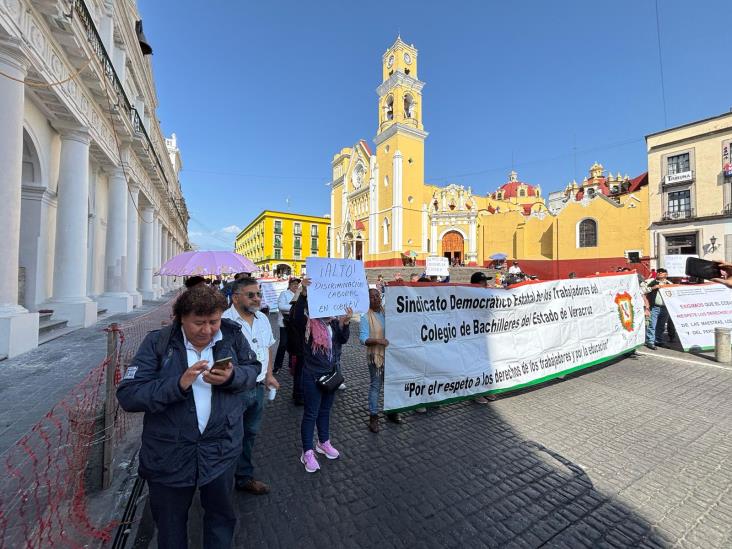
(202, 383)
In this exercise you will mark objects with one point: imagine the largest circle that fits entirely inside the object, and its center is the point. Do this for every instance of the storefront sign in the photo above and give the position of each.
(679, 177)
(696, 311)
(449, 343)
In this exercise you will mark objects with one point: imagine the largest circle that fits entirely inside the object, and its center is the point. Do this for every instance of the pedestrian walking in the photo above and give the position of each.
(187, 378)
(246, 300)
(321, 336)
(283, 319)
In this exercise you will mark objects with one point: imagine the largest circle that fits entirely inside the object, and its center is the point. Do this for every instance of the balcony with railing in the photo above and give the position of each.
(678, 215)
(128, 112)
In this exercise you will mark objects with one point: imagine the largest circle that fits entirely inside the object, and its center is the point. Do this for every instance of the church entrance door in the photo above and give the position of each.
(453, 245)
(359, 250)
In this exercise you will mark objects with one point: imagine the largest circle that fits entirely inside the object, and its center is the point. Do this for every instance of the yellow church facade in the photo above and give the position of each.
(383, 212)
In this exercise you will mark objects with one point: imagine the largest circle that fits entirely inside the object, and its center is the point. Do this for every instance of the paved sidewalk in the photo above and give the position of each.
(636, 453)
(32, 383)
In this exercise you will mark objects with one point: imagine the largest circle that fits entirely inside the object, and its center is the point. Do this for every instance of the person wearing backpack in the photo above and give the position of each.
(192, 431)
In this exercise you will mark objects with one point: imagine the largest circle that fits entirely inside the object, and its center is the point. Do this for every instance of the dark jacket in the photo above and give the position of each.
(173, 451)
(317, 363)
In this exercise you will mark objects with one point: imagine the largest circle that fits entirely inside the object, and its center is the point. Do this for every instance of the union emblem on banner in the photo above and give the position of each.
(625, 310)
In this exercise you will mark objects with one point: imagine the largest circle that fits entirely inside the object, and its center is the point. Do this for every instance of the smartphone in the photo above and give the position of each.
(702, 268)
(221, 363)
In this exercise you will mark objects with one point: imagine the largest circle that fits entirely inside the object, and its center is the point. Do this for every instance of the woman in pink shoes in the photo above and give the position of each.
(322, 338)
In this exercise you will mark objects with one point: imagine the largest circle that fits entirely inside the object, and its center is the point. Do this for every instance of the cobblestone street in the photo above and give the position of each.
(637, 453)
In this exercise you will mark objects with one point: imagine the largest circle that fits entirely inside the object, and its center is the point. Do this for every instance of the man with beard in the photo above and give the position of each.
(246, 299)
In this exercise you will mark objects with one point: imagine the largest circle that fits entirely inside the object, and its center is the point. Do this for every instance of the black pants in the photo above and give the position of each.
(281, 348)
(170, 506)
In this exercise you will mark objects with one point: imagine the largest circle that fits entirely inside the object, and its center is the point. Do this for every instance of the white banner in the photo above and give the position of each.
(675, 264)
(696, 311)
(271, 290)
(453, 342)
(336, 284)
(437, 266)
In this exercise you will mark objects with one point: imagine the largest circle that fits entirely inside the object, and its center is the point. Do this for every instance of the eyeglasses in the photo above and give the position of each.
(250, 295)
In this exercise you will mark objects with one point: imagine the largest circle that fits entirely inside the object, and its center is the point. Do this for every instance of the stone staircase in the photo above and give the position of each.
(50, 329)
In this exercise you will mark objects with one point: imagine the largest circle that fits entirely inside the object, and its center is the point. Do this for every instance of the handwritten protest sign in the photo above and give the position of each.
(271, 290)
(696, 311)
(437, 266)
(448, 343)
(336, 285)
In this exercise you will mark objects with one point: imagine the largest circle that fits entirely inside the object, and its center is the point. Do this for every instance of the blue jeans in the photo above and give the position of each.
(377, 381)
(316, 411)
(253, 406)
(657, 324)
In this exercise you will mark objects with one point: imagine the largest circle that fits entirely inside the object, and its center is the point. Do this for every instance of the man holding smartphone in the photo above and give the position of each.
(246, 299)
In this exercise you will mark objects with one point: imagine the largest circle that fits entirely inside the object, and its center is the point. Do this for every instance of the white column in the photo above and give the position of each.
(425, 227)
(18, 327)
(146, 253)
(171, 279)
(70, 301)
(472, 243)
(133, 249)
(115, 297)
(396, 211)
(157, 287)
(165, 280)
(433, 238)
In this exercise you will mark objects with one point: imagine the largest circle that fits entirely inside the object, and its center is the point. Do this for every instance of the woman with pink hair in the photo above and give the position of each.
(322, 339)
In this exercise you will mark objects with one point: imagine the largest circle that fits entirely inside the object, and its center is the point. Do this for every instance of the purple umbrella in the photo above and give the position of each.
(207, 263)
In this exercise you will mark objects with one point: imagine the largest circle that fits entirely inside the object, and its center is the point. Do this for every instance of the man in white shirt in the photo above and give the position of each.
(246, 298)
(283, 314)
(514, 269)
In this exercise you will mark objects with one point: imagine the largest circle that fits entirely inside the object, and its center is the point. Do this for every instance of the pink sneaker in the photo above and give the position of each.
(310, 462)
(327, 449)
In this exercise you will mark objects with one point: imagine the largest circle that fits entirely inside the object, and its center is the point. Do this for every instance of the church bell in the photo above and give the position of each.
(144, 45)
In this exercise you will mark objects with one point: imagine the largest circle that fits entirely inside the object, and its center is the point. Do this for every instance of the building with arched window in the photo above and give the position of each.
(90, 200)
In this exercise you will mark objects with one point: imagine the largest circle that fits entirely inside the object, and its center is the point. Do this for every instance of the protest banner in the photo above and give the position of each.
(437, 266)
(675, 264)
(271, 290)
(696, 310)
(451, 342)
(336, 285)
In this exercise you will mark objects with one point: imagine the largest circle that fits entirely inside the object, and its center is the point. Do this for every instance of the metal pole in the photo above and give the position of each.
(722, 346)
(112, 357)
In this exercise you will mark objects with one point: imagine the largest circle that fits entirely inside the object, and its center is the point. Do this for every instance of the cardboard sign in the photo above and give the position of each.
(335, 285)
(676, 264)
(437, 266)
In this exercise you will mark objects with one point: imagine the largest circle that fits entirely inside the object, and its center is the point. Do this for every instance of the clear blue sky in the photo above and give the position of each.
(261, 94)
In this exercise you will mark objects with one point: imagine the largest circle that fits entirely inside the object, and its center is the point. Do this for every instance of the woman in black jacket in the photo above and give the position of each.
(193, 429)
(321, 340)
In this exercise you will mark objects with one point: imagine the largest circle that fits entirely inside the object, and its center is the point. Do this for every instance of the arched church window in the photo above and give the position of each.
(389, 108)
(386, 181)
(587, 233)
(408, 106)
(386, 231)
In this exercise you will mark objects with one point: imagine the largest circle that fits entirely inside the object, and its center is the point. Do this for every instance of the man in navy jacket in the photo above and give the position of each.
(192, 431)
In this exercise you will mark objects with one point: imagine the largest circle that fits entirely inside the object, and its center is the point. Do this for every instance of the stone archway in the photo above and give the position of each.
(33, 219)
(282, 270)
(453, 247)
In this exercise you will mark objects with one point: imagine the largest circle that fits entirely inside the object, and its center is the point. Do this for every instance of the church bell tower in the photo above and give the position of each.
(400, 153)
